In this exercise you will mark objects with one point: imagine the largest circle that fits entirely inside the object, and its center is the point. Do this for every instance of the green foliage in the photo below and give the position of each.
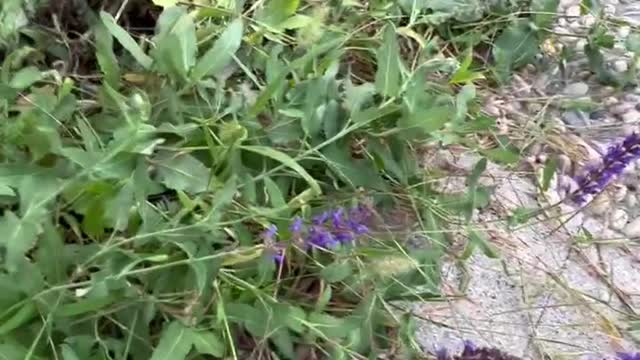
(135, 194)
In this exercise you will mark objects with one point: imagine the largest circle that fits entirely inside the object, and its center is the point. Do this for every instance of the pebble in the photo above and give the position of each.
(576, 89)
(588, 20)
(631, 116)
(598, 114)
(624, 31)
(620, 66)
(618, 219)
(580, 44)
(631, 98)
(566, 3)
(610, 101)
(573, 11)
(575, 119)
(631, 201)
(632, 229)
(620, 108)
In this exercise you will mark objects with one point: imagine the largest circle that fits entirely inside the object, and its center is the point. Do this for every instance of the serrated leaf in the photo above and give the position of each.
(221, 54)
(126, 40)
(388, 60)
(175, 343)
(183, 172)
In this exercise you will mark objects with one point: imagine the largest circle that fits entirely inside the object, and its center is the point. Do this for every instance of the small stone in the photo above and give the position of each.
(624, 31)
(575, 119)
(580, 44)
(631, 117)
(620, 66)
(632, 229)
(618, 219)
(573, 11)
(566, 3)
(492, 110)
(631, 98)
(588, 20)
(638, 106)
(576, 89)
(620, 109)
(598, 114)
(610, 101)
(631, 201)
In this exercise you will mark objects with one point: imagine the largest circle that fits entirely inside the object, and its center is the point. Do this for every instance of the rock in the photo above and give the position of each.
(631, 201)
(588, 20)
(631, 98)
(624, 31)
(632, 229)
(610, 101)
(575, 119)
(620, 109)
(631, 116)
(563, 4)
(580, 44)
(573, 11)
(620, 66)
(618, 219)
(598, 114)
(576, 89)
(638, 107)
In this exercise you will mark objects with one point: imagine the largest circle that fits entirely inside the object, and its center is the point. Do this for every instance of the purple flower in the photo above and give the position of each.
(320, 237)
(616, 159)
(296, 225)
(269, 234)
(628, 356)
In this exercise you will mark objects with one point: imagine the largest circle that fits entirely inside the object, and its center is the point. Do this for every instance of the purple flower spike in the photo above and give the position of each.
(270, 233)
(614, 162)
(442, 354)
(469, 347)
(320, 219)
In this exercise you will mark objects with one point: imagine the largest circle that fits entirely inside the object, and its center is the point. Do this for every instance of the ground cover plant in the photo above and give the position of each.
(218, 179)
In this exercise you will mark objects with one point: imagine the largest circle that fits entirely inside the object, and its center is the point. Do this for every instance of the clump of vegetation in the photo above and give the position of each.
(154, 156)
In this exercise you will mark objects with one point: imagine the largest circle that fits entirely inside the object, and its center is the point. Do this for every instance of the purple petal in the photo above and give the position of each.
(320, 219)
(296, 225)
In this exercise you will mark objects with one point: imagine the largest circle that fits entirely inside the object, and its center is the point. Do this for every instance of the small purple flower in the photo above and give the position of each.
(296, 225)
(269, 234)
(320, 219)
(278, 253)
(320, 237)
(442, 354)
(616, 159)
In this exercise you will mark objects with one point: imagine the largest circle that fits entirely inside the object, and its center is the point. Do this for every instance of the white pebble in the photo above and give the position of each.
(624, 31)
(580, 44)
(588, 20)
(573, 11)
(619, 109)
(567, 3)
(631, 201)
(618, 219)
(632, 229)
(620, 66)
(610, 101)
(631, 117)
(577, 89)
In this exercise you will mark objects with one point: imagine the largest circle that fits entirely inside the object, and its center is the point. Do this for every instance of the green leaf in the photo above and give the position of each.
(206, 342)
(544, 12)
(24, 314)
(176, 48)
(126, 40)
(165, 3)
(287, 161)
(182, 172)
(175, 343)
(502, 155)
(515, 47)
(388, 60)
(25, 77)
(466, 94)
(104, 54)
(633, 43)
(463, 74)
(277, 11)
(221, 54)
(547, 174)
(337, 271)
(476, 240)
(19, 236)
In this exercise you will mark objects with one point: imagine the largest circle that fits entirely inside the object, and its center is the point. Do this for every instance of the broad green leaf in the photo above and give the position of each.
(464, 74)
(182, 172)
(287, 161)
(104, 54)
(84, 306)
(515, 47)
(206, 342)
(126, 40)
(24, 314)
(221, 54)
(50, 256)
(175, 343)
(388, 60)
(25, 78)
(466, 95)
